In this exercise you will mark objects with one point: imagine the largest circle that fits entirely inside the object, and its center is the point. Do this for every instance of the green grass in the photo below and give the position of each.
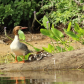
(6, 59)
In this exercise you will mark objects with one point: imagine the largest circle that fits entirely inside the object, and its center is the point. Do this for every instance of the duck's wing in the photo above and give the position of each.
(25, 48)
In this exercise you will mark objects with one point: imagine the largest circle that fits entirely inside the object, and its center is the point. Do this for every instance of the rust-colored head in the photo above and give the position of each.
(15, 30)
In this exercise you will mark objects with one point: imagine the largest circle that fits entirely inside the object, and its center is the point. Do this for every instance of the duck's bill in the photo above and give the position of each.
(24, 27)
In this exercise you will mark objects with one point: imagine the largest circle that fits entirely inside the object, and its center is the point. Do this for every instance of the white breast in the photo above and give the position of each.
(16, 47)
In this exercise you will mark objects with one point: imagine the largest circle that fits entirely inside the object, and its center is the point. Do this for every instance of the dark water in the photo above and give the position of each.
(43, 77)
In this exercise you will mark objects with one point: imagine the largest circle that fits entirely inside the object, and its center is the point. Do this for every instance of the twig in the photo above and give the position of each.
(78, 3)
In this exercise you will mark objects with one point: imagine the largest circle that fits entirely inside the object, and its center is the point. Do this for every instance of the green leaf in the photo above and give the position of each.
(13, 56)
(79, 30)
(21, 35)
(45, 32)
(70, 48)
(60, 49)
(76, 28)
(69, 26)
(63, 50)
(53, 36)
(45, 19)
(52, 26)
(46, 49)
(37, 49)
(58, 34)
(49, 49)
(71, 34)
(4, 1)
(48, 33)
(20, 58)
(27, 56)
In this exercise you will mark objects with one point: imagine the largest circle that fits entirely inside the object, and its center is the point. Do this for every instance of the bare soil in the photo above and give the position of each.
(65, 60)
(37, 40)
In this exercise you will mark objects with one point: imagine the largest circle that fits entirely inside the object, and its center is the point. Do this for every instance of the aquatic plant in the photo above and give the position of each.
(55, 34)
(58, 36)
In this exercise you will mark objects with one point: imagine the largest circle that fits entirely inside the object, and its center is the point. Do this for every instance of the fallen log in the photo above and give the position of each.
(64, 60)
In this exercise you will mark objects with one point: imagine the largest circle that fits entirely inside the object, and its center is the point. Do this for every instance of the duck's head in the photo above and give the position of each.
(17, 28)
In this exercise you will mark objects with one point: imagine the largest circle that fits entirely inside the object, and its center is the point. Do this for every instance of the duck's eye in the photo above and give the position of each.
(17, 30)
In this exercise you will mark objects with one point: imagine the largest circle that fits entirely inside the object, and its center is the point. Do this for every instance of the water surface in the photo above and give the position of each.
(43, 77)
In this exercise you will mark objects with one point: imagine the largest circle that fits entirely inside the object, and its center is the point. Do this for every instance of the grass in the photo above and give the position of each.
(6, 58)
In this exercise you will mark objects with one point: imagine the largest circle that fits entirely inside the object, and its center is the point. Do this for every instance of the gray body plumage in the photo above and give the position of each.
(18, 48)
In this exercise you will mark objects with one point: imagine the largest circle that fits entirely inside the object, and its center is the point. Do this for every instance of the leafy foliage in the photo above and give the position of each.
(50, 48)
(57, 11)
(57, 35)
(78, 35)
(17, 9)
(45, 22)
(21, 35)
(20, 58)
(61, 11)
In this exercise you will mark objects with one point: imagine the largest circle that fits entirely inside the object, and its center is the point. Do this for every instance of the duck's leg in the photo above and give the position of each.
(16, 61)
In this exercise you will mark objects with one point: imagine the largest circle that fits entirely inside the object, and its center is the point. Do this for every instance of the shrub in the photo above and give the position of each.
(17, 10)
(61, 11)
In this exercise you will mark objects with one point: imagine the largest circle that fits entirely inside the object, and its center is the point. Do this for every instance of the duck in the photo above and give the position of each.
(17, 47)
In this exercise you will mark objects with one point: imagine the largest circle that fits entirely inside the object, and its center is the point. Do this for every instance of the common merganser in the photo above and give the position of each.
(17, 47)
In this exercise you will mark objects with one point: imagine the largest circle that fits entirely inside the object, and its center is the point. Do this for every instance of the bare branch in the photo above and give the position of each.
(78, 3)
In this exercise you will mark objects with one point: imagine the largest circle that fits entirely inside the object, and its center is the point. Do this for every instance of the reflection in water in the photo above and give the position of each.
(43, 77)
(17, 80)
(13, 80)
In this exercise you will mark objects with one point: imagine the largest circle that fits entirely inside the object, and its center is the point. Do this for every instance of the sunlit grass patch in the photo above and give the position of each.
(6, 58)
(2, 73)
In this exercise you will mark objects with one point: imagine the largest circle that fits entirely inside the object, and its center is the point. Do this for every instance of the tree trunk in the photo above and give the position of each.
(65, 60)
